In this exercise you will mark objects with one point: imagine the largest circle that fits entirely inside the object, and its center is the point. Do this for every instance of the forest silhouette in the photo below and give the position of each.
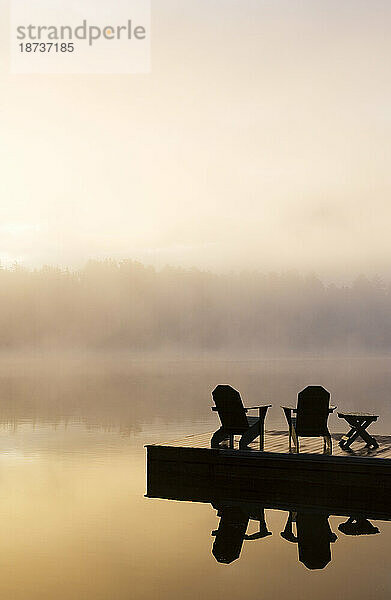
(125, 305)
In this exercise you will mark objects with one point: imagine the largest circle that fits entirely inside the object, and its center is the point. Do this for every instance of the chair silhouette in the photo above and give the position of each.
(313, 537)
(229, 537)
(234, 419)
(231, 533)
(309, 418)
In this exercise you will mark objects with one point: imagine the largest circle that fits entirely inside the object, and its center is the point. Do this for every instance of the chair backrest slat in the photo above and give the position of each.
(312, 411)
(230, 408)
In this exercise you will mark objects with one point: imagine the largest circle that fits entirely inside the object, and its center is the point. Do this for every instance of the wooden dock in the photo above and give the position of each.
(345, 483)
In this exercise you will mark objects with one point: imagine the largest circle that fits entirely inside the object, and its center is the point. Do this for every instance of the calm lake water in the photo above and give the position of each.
(74, 520)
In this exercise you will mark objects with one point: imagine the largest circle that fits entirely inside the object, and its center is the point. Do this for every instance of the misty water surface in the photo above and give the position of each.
(75, 522)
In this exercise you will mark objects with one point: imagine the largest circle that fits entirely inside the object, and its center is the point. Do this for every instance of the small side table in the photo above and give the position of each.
(358, 423)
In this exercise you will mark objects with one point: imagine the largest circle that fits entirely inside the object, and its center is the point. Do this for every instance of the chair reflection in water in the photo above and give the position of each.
(231, 533)
(309, 418)
(313, 537)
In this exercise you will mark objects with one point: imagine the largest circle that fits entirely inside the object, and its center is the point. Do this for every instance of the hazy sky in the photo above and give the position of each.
(261, 139)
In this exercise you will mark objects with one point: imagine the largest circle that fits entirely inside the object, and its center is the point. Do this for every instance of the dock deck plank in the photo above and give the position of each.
(278, 442)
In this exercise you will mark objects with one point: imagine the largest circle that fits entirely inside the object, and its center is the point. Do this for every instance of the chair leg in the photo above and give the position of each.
(219, 436)
(295, 440)
(262, 437)
(248, 436)
(327, 444)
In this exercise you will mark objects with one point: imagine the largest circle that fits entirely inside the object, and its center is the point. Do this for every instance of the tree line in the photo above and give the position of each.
(124, 305)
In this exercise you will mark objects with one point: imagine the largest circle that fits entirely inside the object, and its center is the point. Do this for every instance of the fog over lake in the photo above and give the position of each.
(75, 522)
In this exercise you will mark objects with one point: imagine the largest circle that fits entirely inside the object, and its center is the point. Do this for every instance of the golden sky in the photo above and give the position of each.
(260, 139)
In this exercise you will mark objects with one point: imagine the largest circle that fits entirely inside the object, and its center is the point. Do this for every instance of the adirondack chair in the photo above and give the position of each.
(309, 418)
(234, 419)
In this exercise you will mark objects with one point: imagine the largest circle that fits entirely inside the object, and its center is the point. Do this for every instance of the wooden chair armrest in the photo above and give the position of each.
(254, 407)
(288, 410)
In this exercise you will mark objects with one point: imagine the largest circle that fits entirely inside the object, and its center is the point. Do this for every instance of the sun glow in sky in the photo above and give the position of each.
(260, 139)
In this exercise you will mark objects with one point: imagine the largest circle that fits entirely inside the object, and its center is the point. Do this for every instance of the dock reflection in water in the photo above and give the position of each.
(308, 528)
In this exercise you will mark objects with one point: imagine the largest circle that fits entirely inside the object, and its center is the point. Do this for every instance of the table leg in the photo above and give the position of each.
(348, 439)
(358, 429)
(369, 439)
